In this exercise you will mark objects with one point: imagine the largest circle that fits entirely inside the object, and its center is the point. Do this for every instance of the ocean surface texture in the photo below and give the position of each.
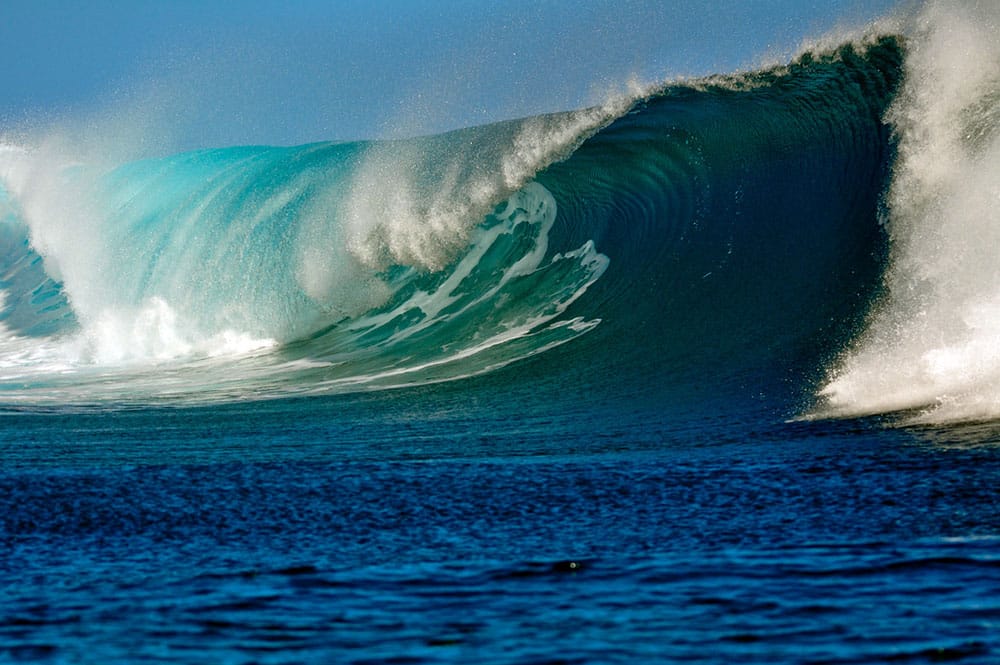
(707, 373)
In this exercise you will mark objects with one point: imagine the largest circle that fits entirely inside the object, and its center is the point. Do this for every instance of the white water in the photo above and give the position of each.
(394, 215)
(932, 348)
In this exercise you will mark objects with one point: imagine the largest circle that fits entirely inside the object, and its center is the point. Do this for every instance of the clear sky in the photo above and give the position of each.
(221, 72)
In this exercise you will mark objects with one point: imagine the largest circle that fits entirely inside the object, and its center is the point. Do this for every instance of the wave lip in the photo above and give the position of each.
(417, 202)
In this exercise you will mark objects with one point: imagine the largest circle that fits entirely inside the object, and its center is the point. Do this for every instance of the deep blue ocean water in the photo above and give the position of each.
(334, 531)
(704, 374)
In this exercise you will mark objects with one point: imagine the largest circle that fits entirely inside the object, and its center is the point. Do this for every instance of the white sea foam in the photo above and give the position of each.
(933, 345)
(154, 332)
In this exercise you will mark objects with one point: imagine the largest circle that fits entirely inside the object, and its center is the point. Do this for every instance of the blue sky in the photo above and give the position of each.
(214, 72)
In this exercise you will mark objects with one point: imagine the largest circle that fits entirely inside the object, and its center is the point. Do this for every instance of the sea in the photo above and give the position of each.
(708, 372)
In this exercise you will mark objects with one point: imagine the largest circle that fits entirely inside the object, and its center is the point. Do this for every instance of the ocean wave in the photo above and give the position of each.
(745, 231)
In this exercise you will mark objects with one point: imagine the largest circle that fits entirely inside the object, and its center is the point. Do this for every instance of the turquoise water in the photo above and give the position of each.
(703, 374)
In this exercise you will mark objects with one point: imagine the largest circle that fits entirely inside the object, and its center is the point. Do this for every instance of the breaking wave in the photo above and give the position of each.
(819, 235)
